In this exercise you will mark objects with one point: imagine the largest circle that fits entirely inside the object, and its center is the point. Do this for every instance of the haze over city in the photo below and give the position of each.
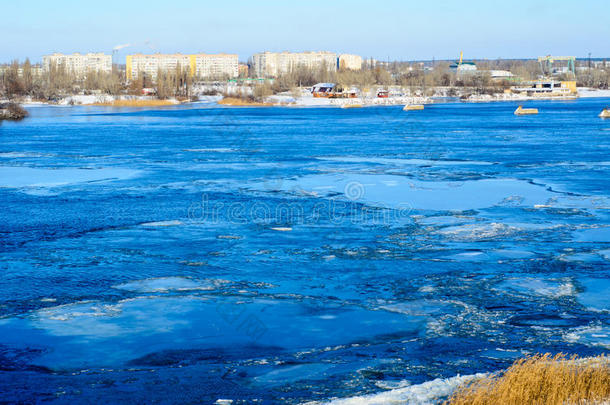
(395, 30)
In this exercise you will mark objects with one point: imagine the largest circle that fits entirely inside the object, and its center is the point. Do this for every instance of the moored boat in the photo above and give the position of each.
(605, 113)
(525, 111)
(413, 107)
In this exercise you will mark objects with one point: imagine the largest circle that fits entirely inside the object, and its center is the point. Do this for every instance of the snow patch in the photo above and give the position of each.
(430, 392)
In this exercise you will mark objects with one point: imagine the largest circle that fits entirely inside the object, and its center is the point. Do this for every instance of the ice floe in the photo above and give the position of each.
(599, 234)
(477, 231)
(430, 392)
(393, 191)
(17, 177)
(399, 162)
(553, 288)
(104, 334)
(166, 284)
(594, 335)
(596, 293)
(162, 223)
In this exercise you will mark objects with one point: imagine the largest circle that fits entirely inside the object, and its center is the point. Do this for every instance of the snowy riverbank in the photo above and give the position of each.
(304, 99)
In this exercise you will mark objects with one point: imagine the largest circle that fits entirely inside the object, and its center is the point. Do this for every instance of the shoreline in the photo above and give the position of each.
(280, 100)
(136, 103)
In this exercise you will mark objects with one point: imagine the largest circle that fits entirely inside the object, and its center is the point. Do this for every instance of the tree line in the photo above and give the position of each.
(21, 79)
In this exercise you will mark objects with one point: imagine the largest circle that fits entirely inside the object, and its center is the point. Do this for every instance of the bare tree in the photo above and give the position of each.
(13, 85)
(28, 81)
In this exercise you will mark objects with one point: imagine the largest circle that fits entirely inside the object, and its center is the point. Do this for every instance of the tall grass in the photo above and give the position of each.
(541, 379)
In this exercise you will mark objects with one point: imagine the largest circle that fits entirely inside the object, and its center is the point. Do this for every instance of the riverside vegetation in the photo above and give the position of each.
(541, 379)
(18, 80)
(12, 111)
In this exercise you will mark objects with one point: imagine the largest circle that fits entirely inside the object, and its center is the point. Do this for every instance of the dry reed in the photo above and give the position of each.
(541, 379)
(137, 103)
(233, 101)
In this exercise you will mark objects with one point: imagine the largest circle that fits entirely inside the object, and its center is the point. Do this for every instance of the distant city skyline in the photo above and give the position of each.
(396, 30)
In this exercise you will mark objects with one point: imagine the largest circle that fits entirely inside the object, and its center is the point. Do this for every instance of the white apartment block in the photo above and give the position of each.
(79, 64)
(215, 66)
(204, 66)
(272, 64)
(350, 62)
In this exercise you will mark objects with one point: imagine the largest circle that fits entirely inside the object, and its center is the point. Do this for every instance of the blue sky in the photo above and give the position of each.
(392, 29)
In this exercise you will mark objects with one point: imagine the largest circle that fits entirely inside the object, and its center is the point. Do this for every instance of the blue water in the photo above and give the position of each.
(286, 255)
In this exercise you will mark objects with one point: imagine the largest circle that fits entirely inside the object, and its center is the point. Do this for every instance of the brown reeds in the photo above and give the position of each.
(541, 379)
(137, 103)
(238, 102)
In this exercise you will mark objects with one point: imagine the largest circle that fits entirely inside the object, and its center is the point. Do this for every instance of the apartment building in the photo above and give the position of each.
(272, 64)
(210, 66)
(35, 70)
(350, 62)
(202, 66)
(79, 64)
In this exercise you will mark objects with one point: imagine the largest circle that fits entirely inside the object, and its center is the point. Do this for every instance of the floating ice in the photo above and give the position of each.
(165, 284)
(396, 161)
(581, 257)
(219, 150)
(553, 288)
(402, 192)
(10, 155)
(604, 253)
(422, 307)
(16, 177)
(79, 309)
(601, 234)
(430, 392)
(596, 294)
(477, 231)
(162, 223)
(469, 256)
(97, 334)
(595, 335)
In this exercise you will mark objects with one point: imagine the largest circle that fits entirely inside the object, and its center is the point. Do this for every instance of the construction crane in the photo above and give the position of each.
(546, 63)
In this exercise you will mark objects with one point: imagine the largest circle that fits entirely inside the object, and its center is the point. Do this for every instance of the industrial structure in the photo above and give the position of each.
(548, 66)
(200, 66)
(78, 64)
(548, 88)
(462, 67)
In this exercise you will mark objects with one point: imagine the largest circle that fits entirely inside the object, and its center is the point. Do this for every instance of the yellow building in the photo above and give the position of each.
(570, 85)
(201, 66)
